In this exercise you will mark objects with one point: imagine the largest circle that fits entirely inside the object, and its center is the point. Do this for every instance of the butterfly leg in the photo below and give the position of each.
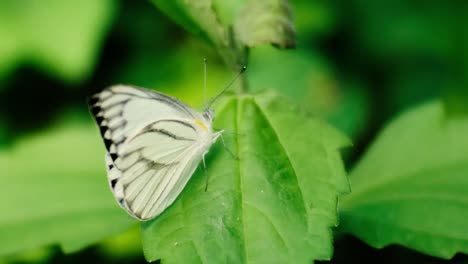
(234, 156)
(229, 132)
(206, 172)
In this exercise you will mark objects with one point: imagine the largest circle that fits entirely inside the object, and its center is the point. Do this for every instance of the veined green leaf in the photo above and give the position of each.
(280, 196)
(197, 17)
(411, 186)
(201, 18)
(55, 191)
(232, 25)
(266, 22)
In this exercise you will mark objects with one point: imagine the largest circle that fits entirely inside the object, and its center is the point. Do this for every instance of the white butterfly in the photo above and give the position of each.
(154, 144)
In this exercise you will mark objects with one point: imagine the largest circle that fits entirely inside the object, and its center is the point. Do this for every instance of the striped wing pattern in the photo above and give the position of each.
(153, 147)
(122, 110)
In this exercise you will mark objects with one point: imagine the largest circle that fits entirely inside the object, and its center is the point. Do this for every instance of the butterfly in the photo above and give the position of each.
(154, 144)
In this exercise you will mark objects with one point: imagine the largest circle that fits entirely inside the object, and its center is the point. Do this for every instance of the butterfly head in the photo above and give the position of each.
(209, 115)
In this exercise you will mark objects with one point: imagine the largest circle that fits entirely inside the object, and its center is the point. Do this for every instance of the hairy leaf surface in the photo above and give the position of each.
(279, 196)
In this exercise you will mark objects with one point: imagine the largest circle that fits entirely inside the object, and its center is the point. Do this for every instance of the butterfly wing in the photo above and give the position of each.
(152, 155)
(153, 167)
(122, 110)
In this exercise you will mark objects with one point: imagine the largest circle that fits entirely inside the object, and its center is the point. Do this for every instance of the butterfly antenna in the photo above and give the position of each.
(204, 81)
(227, 87)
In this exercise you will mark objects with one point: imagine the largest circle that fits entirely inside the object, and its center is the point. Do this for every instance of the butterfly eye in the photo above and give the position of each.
(209, 114)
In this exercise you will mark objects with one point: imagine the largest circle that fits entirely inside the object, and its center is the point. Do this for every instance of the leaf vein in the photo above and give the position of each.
(264, 115)
(238, 121)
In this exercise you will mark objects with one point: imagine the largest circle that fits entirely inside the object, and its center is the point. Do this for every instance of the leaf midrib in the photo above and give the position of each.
(239, 104)
(283, 147)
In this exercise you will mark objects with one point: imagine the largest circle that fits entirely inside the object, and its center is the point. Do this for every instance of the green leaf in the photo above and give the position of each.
(201, 19)
(123, 247)
(266, 22)
(54, 190)
(59, 38)
(280, 196)
(410, 188)
(228, 10)
(232, 25)
(37, 255)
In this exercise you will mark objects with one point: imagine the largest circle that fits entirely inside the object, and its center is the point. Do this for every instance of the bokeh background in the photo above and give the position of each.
(357, 64)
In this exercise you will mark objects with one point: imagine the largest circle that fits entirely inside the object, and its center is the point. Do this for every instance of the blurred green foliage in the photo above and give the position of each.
(55, 197)
(60, 39)
(357, 64)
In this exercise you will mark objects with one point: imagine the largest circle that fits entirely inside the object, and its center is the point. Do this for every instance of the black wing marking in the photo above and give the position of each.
(145, 187)
(108, 106)
(148, 167)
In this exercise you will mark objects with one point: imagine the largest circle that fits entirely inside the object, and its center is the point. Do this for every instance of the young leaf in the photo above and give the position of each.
(228, 10)
(232, 25)
(201, 19)
(266, 22)
(410, 188)
(197, 17)
(276, 203)
(54, 190)
(60, 38)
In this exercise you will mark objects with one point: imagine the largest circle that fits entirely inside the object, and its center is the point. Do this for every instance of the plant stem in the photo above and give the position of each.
(244, 85)
(235, 55)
